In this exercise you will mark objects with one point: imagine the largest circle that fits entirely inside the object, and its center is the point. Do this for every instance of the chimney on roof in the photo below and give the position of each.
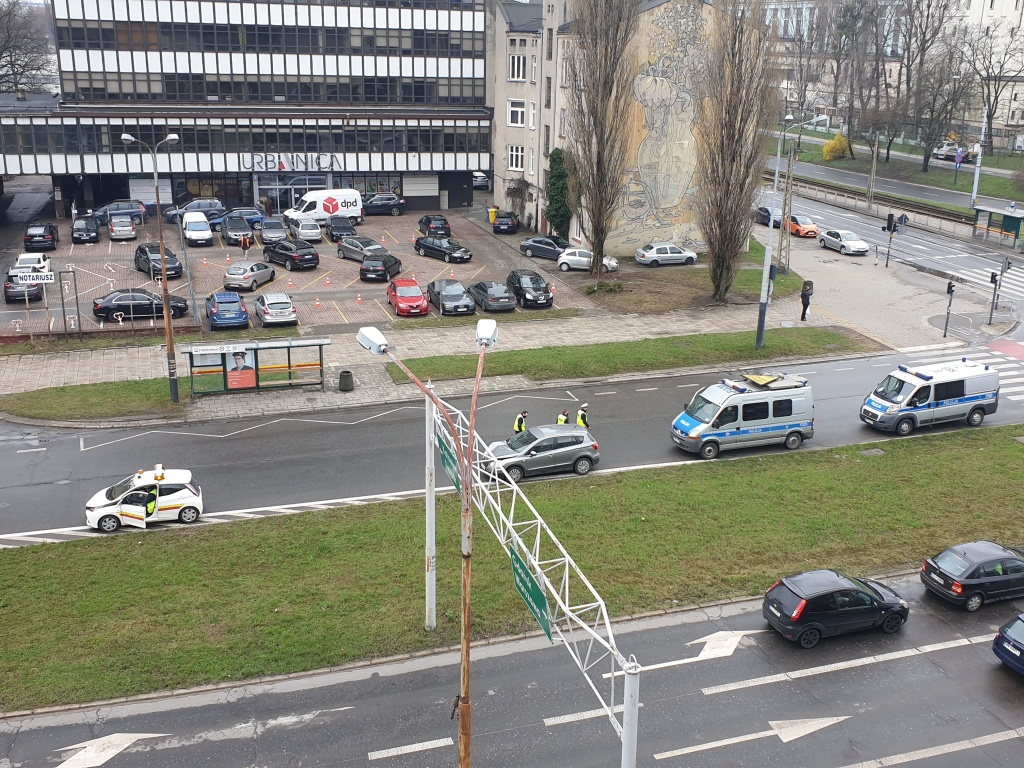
(21, 94)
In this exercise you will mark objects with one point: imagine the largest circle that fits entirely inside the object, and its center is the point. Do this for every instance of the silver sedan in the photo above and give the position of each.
(579, 258)
(248, 275)
(843, 241)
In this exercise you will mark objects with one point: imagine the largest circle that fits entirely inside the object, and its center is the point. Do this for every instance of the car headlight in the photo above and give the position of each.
(892, 409)
(904, 604)
(530, 295)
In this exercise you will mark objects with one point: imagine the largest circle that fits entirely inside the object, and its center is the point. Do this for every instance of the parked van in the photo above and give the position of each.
(321, 204)
(930, 394)
(763, 409)
(196, 229)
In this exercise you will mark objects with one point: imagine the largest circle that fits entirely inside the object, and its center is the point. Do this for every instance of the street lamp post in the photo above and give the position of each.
(762, 312)
(172, 366)
(486, 335)
(977, 162)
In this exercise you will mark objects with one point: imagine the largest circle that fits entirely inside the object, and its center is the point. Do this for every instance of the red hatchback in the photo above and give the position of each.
(406, 296)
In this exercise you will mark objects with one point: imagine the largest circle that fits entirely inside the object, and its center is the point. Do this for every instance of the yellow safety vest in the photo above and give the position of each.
(562, 419)
(520, 425)
(581, 417)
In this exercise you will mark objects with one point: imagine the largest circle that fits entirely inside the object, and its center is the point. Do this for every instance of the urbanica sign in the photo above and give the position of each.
(293, 161)
(530, 591)
(449, 462)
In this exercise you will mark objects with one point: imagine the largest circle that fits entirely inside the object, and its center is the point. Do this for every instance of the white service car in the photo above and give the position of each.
(32, 262)
(844, 241)
(178, 497)
(580, 258)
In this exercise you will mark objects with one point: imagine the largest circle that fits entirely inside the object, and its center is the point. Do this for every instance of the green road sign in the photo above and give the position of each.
(530, 591)
(450, 463)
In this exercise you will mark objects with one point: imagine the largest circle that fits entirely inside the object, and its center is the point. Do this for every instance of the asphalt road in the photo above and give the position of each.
(257, 465)
(915, 697)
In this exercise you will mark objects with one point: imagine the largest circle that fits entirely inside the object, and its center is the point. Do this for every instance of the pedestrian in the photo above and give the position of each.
(805, 300)
(246, 245)
(581, 416)
(563, 417)
(520, 423)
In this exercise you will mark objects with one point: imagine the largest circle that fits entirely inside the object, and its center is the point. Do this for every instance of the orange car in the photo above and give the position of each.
(801, 226)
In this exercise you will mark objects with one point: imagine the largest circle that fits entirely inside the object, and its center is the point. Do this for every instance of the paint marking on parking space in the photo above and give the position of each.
(646, 389)
(575, 717)
(317, 280)
(30, 450)
(941, 749)
(421, 747)
(392, 236)
(477, 273)
(352, 282)
(842, 665)
(386, 313)
(339, 311)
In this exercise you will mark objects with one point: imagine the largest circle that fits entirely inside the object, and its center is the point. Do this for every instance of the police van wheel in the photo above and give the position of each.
(188, 515)
(904, 428)
(976, 417)
(793, 440)
(109, 524)
(709, 450)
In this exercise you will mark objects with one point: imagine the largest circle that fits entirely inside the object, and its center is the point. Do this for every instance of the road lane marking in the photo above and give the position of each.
(30, 450)
(843, 665)
(842, 369)
(31, 539)
(590, 714)
(421, 747)
(786, 730)
(941, 749)
(609, 392)
(717, 645)
(646, 389)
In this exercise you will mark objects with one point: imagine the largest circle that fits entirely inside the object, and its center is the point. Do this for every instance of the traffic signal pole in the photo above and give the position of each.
(949, 307)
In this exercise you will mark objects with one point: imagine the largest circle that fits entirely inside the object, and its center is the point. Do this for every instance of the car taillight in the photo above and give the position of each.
(594, 446)
(294, 310)
(799, 610)
(958, 588)
(773, 586)
(924, 566)
(49, 237)
(266, 310)
(214, 309)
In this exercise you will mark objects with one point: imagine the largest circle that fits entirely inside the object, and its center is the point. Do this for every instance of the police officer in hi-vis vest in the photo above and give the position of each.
(520, 422)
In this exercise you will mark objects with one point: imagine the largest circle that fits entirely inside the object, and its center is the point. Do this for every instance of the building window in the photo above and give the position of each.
(551, 43)
(532, 161)
(563, 119)
(516, 113)
(547, 93)
(533, 115)
(547, 140)
(517, 66)
(533, 68)
(515, 158)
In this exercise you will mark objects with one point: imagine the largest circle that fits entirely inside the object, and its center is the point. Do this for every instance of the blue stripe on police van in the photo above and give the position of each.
(758, 430)
(941, 404)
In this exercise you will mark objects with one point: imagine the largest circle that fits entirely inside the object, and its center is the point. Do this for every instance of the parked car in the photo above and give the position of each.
(253, 215)
(545, 450)
(385, 203)
(132, 208)
(147, 259)
(450, 297)
(293, 255)
(15, 290)
(658, 254)
(975, 573)
(133, 303)
(802, 226)
(844, 241)
(948, 150)
(434, 225)
(406, 296)
(447, 248)
(505, 222)
(306, 229)
(32, 262)
(809, 606)
(210, 207)
(178, 497)
(480, 180)
(338, 227)
(1008, 644)
(276, 309)
(492, 296)
(121, 227)
(543, 247)
(41, 237)
(226, 309)
(530, 289)
(196, 229)
(273, 230)
(379, 266)
(580, 258)
(358, 248)
(85, 230)
(248, 275)
(764, 215)
(233, 228)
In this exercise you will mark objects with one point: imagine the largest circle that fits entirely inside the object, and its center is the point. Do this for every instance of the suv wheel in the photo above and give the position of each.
(288, 265)
(266, 257)
(396, 212)
(137, 219)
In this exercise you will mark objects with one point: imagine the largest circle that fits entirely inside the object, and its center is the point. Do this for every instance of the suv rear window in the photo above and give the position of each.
(953, 563)
(785, 597)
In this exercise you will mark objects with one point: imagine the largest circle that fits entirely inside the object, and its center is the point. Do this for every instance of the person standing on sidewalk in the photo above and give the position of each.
(581, 416)
(520, 422)
(805, 300)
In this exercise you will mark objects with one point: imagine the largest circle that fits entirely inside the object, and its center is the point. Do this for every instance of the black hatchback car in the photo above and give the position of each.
(338, 227)
(975, 573)
(493, 296)
(434, 225)
(505, 222)
(85, 230)
(530, 289)
(147, 259)
(131, 303)
(815, 604)
(299, 255)
(447, 248)
(765, 215)
(41, 237)
(382, 267)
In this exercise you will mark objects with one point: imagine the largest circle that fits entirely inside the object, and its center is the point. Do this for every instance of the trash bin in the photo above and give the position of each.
(345, 381)
(492, 212)
(809, 287)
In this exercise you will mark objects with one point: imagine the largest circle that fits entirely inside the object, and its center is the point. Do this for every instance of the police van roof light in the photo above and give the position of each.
(734, 386)
(903, 368)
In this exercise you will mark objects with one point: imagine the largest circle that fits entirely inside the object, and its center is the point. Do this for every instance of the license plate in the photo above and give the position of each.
(415, 311)
(938, 579)
(462, 309)
(774, 610)
(1011, 649)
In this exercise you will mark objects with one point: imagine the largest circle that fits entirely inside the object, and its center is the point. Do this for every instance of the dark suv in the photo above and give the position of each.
(434, 225)
(133, 208)
(147, 259)
(293, 255)
(530, 288)
(211, 207)
(506, 222)
(41, 237)
(338, 227)
(18, 291)
(234, 228)
(385, 203)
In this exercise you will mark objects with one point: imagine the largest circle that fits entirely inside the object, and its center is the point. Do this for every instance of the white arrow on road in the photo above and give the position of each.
(787, 730)
(96, 752)
(716, 646)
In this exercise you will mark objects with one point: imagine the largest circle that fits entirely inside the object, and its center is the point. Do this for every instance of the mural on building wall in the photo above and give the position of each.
(659, 185)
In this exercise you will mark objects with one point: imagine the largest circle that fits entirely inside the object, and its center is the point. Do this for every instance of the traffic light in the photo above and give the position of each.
(993, 278)
(890, 223)
(949, 287)
(1007, 265)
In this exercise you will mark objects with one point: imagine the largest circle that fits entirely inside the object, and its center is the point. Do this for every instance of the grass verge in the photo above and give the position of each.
(116, 342)
(435, 321)
(149, 397)
(300, 592)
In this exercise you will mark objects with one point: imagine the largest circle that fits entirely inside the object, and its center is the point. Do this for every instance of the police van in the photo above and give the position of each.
(911, 397)
(762, 409)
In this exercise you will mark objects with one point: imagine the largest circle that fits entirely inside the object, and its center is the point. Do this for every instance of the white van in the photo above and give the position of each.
(321, 204)
(196, 229)
(930, 394)
(763, 409)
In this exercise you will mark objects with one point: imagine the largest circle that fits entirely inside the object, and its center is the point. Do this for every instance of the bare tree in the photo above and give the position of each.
(996, 56)
(736, 110)
(26, 50)
(599, 71)
(939, 92)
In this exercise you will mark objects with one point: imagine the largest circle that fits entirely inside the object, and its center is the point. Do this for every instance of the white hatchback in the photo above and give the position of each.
(580, 258)
(148, 496)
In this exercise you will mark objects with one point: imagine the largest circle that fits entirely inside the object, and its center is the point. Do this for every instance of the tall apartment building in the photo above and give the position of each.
(269, 99)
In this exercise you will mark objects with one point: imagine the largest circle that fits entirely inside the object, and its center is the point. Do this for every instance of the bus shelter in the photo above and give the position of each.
(258, 365)
(998, 226)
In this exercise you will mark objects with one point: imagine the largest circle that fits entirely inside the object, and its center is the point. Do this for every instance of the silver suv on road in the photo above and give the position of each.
(545, 450)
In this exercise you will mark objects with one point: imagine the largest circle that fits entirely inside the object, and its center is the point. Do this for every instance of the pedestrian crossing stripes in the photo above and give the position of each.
(1012, 284)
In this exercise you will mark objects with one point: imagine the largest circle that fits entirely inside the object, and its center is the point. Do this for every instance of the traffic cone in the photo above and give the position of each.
(229, 258)
(289, 282)
(205, 262)
(383, 241)
(317, 304)
(359, 298)
(554, 289)
(327, 282)
(451, 275)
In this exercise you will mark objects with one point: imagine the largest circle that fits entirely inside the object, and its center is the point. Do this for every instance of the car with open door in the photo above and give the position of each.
(149, 496)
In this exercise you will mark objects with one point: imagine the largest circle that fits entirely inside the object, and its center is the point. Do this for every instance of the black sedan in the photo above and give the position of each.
(380, 267)
(85, 230)
(147, 259)
(975, 573)
(765, 215)
(815, 604)
(530, 288)
(299, 255)
(492, 296)
(132, 303)
(447, 248)
(450, 297)
(543, 247)
(384, 204)
(41, 237)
